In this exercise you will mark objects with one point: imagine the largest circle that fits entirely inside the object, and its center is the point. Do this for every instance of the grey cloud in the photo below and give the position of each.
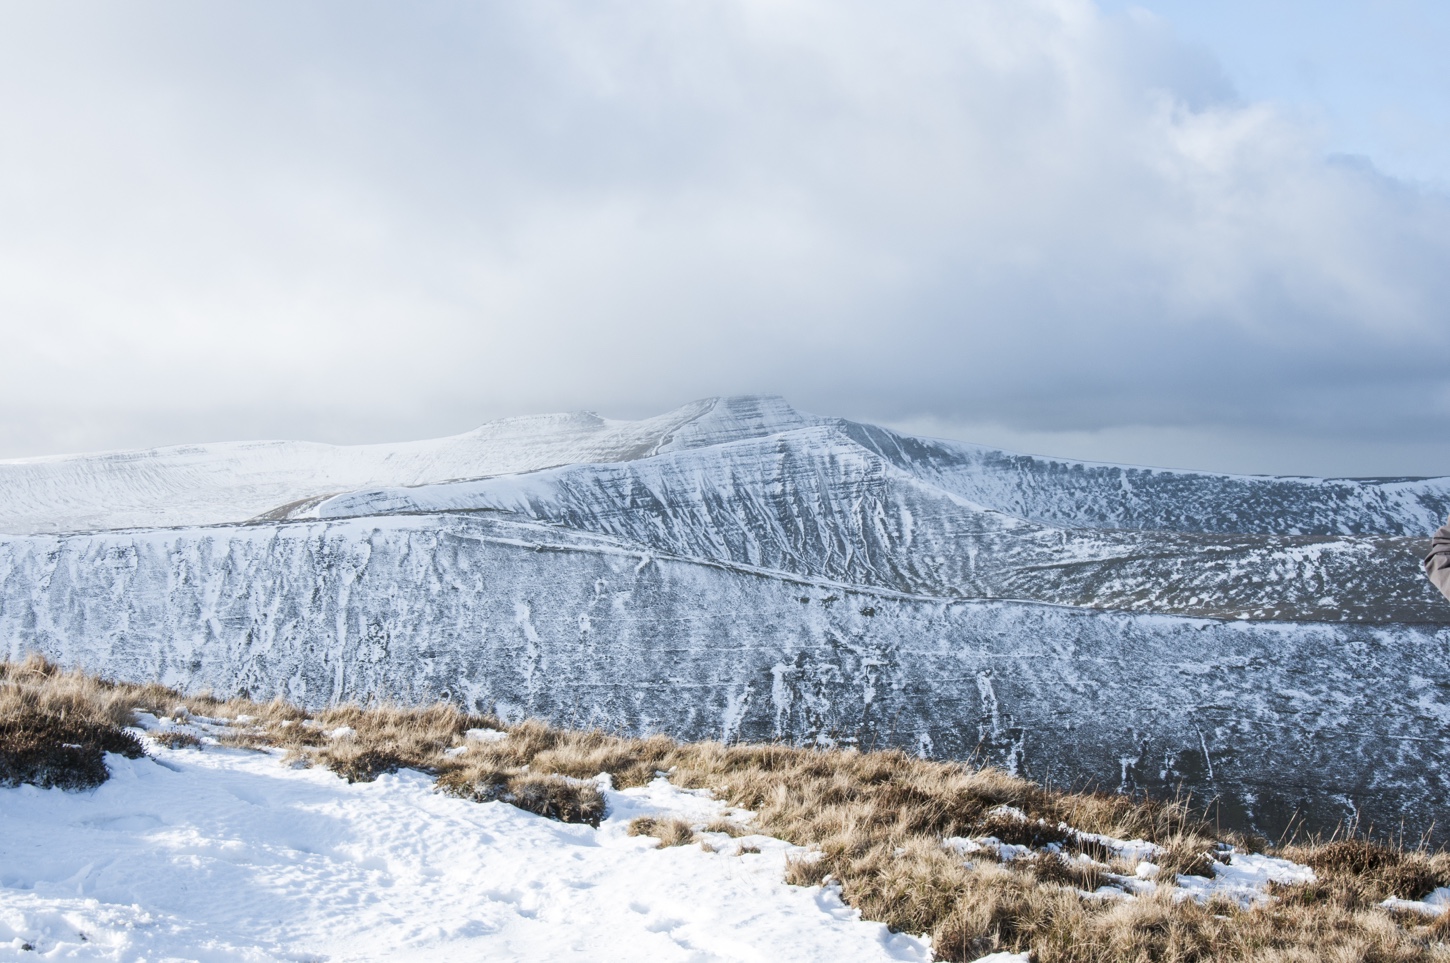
(357, 221)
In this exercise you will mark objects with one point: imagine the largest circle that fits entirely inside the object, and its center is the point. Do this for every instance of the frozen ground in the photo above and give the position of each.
(227, 854)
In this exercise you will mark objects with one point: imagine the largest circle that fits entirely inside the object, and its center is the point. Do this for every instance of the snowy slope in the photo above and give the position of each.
(221, 854)
(227, 855)
(1089, 494)
(210, 484)
(810, 503)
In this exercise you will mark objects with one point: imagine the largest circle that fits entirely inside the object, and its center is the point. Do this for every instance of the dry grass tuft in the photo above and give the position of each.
(1187, 857)
(805, 871)
(727, 826)
(362, 764)
(998, 910)
(556, 797)
(52, 752)
(176, 739)
(55, 727)
(670, 832)
(1016, 831)
(1060, 870)
(553, 796)
(1358, 874)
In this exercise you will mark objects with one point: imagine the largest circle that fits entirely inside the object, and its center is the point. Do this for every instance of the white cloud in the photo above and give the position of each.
(363, 220)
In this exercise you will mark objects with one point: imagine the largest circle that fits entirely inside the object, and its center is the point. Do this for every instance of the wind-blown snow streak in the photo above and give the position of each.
(736, 569)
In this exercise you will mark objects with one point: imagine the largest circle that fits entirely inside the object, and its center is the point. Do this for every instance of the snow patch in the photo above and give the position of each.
(1435, 904)
(226, 855)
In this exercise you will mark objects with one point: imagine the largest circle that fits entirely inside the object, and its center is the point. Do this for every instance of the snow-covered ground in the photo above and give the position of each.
(226, 854)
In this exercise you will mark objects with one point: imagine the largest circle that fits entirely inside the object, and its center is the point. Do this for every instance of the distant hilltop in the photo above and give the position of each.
(229, 482)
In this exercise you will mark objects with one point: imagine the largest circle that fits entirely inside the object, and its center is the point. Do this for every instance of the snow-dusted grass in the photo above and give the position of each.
(235, 853)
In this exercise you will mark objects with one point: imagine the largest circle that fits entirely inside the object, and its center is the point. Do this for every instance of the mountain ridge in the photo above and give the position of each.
(259, 477)
(735, 569)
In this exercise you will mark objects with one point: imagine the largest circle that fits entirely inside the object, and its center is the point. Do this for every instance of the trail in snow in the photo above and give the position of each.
(228, 855)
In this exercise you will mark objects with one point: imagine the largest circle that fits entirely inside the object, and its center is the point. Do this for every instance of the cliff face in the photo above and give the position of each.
(736, 570)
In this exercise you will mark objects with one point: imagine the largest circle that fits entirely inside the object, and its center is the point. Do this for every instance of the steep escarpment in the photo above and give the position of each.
(736, 569)
(813, 503)
(1097, 495)
(526, 620)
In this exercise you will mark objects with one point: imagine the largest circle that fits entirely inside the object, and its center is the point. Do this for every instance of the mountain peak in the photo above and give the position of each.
(734, 417)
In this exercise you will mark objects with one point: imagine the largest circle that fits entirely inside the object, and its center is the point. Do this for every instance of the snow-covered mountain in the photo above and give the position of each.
(738, 569)
(221, 483)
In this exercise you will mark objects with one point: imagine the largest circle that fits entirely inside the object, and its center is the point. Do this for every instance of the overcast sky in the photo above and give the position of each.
(1204, 235)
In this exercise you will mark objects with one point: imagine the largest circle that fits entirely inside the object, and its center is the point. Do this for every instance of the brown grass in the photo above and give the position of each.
(176, 739)
(56, 728)
(875, 824)
(727, 826)
(1356, 874)
(670, 832)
